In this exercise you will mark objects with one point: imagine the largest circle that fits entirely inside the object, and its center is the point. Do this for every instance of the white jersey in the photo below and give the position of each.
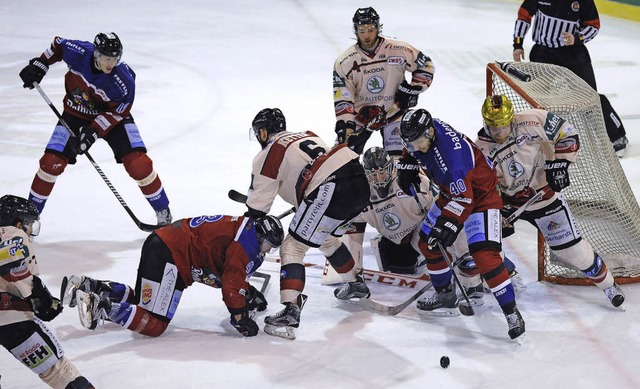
(17, 267)
(284, 167)
(536, 136)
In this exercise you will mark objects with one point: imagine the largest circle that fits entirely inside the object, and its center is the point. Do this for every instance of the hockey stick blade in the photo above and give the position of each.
(237, 196)
(265, 280)
(391, 310)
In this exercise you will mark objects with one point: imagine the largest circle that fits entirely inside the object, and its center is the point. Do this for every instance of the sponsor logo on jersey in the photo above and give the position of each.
(453, 135)
(522, 139)
(375, 84)
(338, 81)
(567, 145)
(20, 271)
(422, 60)
(374, 70)
(552, 125)
(552, 226)
(391, 221)
(454, 208)
(74, 47)
(515, 169)
(510, 154)
(147, 293)
(395, 61)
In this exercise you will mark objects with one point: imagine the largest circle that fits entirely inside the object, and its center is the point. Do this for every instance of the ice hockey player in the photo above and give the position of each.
(25, 302)
(541, 145)
(468, 197)
(370, 92)
(218, 251)
(327, 187)
(100, 90)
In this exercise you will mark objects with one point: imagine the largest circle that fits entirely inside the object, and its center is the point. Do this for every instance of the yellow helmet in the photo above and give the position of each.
(497, 111)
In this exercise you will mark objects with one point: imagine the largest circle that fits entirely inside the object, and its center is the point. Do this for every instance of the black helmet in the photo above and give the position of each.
(415, 123)
(271, 119)
(14, 209)
(378, 167)
(366, 16)
(269, 229)
(108, 44)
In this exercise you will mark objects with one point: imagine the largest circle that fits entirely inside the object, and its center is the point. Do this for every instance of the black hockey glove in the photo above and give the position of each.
(445, 231)
(246, 326)
(408, 174)
(557, 174)
(372, 117)
(407, 95)
(45, 306)
(255, 300)
(254, 213)
(507, 229)
(344, 130)
(34, 72)
(88, 136)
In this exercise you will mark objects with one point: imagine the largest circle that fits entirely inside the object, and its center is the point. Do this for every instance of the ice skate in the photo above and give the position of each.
(92, 308)
(440, 304)
(620, 148)
(615, 295)
(86, 284)
(164, 217)
(475, 294)
(516, 281)
(515, 322)
(282, 324)
(354, 290)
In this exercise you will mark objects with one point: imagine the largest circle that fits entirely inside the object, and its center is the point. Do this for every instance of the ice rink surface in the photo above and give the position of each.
(204, 69)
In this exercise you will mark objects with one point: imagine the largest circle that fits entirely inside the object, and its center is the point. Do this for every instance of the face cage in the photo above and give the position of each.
(373, 176)
(97, 55)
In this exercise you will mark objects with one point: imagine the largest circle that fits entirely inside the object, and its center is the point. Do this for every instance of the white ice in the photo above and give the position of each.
(204, 68)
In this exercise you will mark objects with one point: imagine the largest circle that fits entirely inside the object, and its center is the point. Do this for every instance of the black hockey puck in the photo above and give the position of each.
(444, 362)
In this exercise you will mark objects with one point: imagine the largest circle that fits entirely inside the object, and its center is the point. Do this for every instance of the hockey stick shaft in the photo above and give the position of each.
(141, 225)
(242, 198)
(265, 280)
(392, 310)
(514, 216)
(468, 311)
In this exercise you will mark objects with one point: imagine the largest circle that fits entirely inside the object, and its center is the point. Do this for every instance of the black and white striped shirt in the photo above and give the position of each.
(552, 18)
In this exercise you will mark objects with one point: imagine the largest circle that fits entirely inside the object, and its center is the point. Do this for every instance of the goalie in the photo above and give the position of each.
(532, 151)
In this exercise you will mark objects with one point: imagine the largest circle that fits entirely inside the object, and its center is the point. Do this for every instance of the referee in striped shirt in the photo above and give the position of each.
(560, 31)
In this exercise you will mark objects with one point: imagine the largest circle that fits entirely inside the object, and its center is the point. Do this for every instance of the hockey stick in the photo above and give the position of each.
(241, 198)
(467, 309)
(514, 216)
(391, 310)
(265, 280)
(141, 225)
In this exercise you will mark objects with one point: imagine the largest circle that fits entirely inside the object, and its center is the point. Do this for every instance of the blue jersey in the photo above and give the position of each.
(104, 99)
(466, 178)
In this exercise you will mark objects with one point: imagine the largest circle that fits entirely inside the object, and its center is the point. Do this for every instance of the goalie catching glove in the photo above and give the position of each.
(45, 306)
(557, 174)
(445, 231)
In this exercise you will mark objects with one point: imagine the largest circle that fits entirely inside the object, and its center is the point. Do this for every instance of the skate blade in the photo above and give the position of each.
(68, 290)
(520, 340)
(284, 332)
(440, 312)
(84, 313)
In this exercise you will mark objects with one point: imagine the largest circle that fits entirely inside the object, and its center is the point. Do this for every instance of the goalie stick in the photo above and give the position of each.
(141, 225)
(391, 310)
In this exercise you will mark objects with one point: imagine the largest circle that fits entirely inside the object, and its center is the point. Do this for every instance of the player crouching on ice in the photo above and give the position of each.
(468, 197)
(527, 140)
(219, 251)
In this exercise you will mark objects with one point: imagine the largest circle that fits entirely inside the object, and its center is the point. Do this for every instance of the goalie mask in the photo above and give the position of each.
(379, 169)
(14, 209)
(270, 119)
(269, 229)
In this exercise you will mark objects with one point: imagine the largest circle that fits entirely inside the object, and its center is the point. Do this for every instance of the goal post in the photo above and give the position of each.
(599, 195)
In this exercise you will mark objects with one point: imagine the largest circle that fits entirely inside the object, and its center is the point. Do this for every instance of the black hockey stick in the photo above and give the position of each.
(392, 310)
(141, 225)
(465, 309)
(241, 198)
(265, 280)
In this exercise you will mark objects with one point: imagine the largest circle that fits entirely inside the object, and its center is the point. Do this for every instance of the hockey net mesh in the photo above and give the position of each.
(599, 195)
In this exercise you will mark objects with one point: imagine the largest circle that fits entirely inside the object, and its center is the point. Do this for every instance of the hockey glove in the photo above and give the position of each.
(507, 229)
(34, 72)
(372, 117)
(519, 198)
(255, 300)
(245, 325)
(445, 231)
(407, 95)
(408, 174)
(344, 130)
(88, 136)
(557, 174)
(45, 306)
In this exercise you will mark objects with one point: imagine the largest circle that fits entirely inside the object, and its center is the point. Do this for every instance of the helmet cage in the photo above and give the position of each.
(379, 168)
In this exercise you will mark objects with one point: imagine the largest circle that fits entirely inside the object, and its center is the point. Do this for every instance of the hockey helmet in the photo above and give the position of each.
(14, 209)
(271, 119)
(269, 229)
(366, 16)
(414, 124)
(497, 111)
(107, 44)
(379, 168)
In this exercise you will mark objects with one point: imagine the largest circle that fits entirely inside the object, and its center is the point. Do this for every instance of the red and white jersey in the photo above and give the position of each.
(292, 165)
(17, 267)
(361, 78)
(536, 136)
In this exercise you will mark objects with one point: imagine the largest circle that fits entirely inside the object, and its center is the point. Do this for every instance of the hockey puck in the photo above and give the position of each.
(444, 362)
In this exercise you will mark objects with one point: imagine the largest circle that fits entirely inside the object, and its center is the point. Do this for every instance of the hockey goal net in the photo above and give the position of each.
(599, 195)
